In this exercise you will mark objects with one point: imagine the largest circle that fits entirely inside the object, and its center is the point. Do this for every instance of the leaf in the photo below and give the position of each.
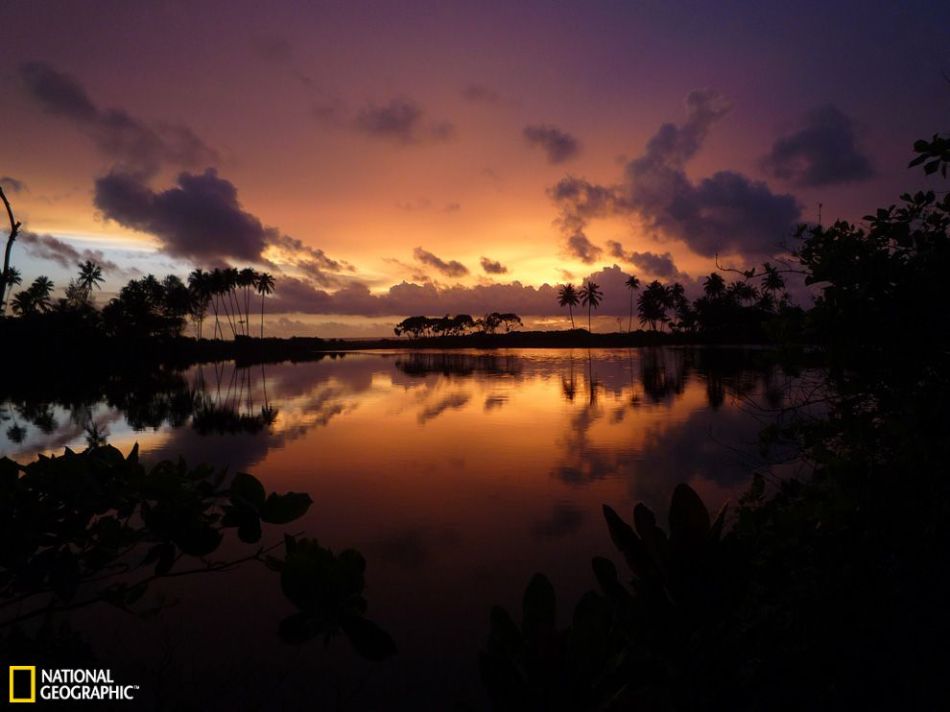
(539, 607)
(689, 518)
(625, 539)
(298, 628)
(369, 639)
(284, 508)
(248, 488)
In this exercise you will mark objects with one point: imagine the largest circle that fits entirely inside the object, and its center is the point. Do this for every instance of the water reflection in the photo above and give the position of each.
(455, 473)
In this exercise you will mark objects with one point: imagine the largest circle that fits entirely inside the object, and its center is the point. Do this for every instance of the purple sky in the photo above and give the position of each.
(391, 158)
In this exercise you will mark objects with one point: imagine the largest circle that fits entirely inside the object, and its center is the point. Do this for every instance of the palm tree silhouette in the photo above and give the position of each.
(265, 286)
(567, 297)
(246, 279)
(90, 277)
(714, 285)
(632, 284)
(591, 297)
(14, 279)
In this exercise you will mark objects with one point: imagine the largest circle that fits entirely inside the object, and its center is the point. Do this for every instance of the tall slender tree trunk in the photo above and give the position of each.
(570, 310)
(11, 238)
(590, 330)
(262, 317)
(630, 321)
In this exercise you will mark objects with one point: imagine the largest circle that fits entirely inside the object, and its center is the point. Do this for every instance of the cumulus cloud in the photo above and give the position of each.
(579, 246)
(136, 145)
(493, 266)
(202, 219)
(12, 184)
(824, 150)
(726, 212)
(47, 247)
(402, 121)
(652, 263)
(559, 145)
(452, 268)
(406, 298)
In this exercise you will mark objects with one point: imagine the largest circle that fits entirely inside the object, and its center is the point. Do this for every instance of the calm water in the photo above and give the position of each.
(457, 475)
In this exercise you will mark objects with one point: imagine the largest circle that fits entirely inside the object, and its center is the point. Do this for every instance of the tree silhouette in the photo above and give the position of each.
(632, 284)
(567, 297)
(14, 279)
(653, 304)
(5, 280)
(35, 299)
(714, 286)
(265, 286)
(591, 297)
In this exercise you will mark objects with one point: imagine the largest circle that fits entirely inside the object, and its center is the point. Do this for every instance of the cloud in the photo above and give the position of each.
(579, 246)
(408, 298)
(559, 145)
(451, 268)
(202, 219)
(424, 204)
(823, 151)
(402, 121)
(481, 93)
(652, 263)
(12, 184)
(137, 146)
(493, 266)
(47, 247)
(725, 212)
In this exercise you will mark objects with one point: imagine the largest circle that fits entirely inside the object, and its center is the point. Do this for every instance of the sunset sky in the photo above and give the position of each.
(384, 159)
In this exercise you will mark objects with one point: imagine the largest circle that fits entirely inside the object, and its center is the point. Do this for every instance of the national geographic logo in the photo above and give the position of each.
(65, 685)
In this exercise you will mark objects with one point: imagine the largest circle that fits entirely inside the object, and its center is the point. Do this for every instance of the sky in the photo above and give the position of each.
(388, 159)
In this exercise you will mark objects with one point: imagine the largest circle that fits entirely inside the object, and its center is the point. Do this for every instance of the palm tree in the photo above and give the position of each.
(14, 279)
(653, 304)
(90, 277)
(33, 299)
(246, 279)
(567, 297)
(591, 297)
(714, 285)
(632, 284)
(265, 286)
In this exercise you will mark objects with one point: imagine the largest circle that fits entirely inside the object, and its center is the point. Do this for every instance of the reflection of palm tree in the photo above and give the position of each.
(567, 297)
(591, 297)
(265, 286)
(633, 284)
(568, 386)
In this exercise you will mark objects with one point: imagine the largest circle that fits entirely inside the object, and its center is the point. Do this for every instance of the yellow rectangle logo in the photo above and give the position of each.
(31, 669)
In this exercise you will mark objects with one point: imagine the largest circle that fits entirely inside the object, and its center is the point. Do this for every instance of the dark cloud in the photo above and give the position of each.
(559, 145)
(137, 146)
(726, 212)
(823, 151)
(12, 184)
(481, 93)
(201, 219)
(452, 268)
(493, 266)
(651, 263)
(402, 121)
(47, 247)
(579, 246)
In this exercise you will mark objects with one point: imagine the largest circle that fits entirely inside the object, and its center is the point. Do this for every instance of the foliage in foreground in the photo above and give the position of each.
(97, 527)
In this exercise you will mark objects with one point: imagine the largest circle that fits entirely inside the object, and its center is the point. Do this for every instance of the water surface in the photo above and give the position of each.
(456, 474)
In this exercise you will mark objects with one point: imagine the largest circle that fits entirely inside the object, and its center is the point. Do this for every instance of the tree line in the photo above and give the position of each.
(149, 306)
(747, 304)
(458, 325)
